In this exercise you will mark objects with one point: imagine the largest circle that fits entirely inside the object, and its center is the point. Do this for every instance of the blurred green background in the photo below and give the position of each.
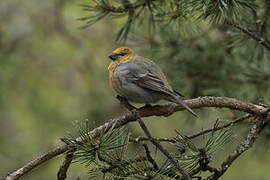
(53, 73)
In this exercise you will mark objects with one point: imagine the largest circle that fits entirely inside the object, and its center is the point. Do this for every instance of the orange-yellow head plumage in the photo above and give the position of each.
(123, 50)
(121, 55)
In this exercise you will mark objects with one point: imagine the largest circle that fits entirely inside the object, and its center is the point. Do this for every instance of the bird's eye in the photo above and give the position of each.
(122, 54)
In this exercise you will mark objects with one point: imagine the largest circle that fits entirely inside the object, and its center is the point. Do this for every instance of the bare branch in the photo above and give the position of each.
(220, 127)
(36, 162)
(202, 102)
(159, 110)
(141, 139)
(174, 140)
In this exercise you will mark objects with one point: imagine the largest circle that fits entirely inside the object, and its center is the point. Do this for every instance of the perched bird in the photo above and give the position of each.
(139, 79)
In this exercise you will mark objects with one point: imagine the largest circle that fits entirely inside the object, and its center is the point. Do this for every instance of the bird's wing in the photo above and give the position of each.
(178, 93)
(148, 75)
(152, 82)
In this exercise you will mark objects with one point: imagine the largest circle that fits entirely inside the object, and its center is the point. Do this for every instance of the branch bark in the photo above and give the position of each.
(159, 110)
(62, 173)
(37, 161)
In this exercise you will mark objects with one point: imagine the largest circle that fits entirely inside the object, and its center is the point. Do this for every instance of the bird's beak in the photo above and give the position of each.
(113, 56)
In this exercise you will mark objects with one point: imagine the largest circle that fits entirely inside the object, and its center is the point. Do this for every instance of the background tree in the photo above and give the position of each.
(53, 73)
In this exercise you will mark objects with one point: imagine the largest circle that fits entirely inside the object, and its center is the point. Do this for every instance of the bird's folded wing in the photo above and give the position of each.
(146, 74)
(151, 81)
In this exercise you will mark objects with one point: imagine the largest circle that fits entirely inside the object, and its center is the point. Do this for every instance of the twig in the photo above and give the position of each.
(220, 127)
(174, 140)
(159, 110)
(240, 149)
(62, 173)
(165, 152)
(141, 139)
(254, 36)
(149, 157)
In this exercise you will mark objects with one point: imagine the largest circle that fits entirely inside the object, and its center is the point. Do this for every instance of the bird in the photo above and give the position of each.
(140, 80)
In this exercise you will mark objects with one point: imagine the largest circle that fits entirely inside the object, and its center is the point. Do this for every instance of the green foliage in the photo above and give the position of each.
(107, 155)
(164, 13)
(207, 55)
(106, 142)
(195, 157)
(51, 73)
(221, 11)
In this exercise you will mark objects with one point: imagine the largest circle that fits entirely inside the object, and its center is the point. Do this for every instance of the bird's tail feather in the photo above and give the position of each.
(180, 102)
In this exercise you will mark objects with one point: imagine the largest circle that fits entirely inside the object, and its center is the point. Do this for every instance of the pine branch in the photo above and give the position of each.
(240, 149)
(173, 140)
(164, 151)
(203, 165)
(115, 166)
(254, 36)
(159, 110)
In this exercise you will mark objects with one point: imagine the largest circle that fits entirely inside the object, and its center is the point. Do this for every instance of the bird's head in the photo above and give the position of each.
(120, 53)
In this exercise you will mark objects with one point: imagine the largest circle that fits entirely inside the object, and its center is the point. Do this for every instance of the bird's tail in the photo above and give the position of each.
(180, 102)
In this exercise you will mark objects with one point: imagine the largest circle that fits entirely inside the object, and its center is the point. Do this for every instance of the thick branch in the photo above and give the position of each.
(159, 110)
(202, 102)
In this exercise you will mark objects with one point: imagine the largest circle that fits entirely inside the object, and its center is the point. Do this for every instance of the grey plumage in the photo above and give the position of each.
(142, 81)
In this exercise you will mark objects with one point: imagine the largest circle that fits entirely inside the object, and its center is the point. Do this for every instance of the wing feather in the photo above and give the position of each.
(148, 75)
(152, 82)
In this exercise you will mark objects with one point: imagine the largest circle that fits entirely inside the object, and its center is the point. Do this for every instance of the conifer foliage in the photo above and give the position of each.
(216, 51)
(217, 45)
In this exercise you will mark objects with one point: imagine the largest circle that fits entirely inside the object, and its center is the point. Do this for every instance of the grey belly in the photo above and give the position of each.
(138, 94)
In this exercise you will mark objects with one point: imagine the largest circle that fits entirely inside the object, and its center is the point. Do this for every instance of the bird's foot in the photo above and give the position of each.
(124, 102)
